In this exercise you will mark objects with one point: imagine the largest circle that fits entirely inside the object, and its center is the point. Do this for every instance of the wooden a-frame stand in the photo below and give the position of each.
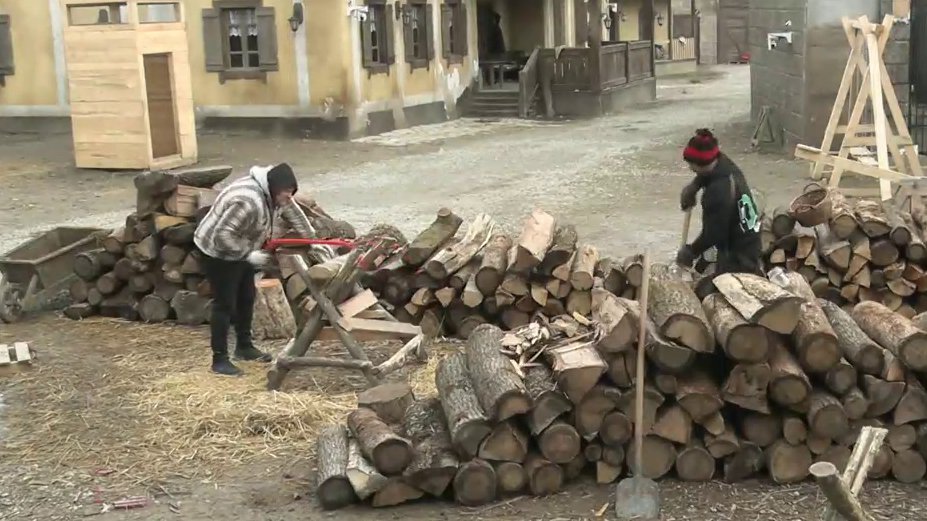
(867, 44)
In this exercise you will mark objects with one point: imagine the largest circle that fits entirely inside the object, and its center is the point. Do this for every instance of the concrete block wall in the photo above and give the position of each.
(898, 56)
(708, 31)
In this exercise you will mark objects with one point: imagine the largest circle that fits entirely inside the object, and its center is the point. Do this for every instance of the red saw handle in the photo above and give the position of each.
(274, 244)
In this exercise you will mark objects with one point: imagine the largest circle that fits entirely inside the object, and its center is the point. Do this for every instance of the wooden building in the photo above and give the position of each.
(129, 82)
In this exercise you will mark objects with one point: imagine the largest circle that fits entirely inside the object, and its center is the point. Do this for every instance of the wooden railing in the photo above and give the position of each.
(613, 65)
(528, 83)
(640, 65)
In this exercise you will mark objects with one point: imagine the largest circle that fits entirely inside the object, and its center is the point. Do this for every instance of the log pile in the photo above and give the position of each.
(149, 269)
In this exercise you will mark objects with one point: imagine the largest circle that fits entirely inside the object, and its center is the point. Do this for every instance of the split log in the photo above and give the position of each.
(612, 276)
(855, 404)
(618, 325)
(536, 237)
(841, 378)
(494, 263)
(471, 295)
(465, 418)
(510, 477)
(871, 218)
(388, 452)
(915, 250)
(912, 407)
(782, 222)
(613, 455)
(395, 492)
(813, 337)
(506, 442)
(475, 483)
(697, 393)
(164, 221)
(652, 402)
(788, 463)
(747, 461)
(633, 270)
(794, 430)
(740, 340)
(115, 242)
(153, 309)
(908, 466)
(549, 402)
(761, 429)
(559, 443)
(788, 384)
(658, 459)
(884, 252)
(577, 368)
(760, 301)
(826, 417)
(584, 268)
(901, 437)
(838, 492)
(713, 424)
(894, 332)
(593, 451)
(434, 463)
(591, 410)
(180, 235)
(858, 348)
(334, 489)
(448, 260)
(837, 455)
(883, 396)
(695, 463)
(273, 316)
(427, 242)
(746, 386)
(579, 302)
(364, 478)
(499, 388)
(843, 218)
(515, 284)
(677, 311)
(563, 272)
(673, 423)
(142, 283)
(172, 254)
(834, 251)
(109, 283)
(544, 477)
(388, 401)
(616, 428)
(561, 250)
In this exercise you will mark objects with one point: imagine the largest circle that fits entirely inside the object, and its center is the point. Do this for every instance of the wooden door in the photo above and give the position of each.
(559, 29)
(161, 108)
(733, 24)
(581, 23)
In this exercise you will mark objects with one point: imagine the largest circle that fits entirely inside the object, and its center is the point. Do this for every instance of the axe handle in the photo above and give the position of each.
(685, 227)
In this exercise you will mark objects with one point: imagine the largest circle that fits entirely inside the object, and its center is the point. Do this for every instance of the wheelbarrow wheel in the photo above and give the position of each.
(11, 302)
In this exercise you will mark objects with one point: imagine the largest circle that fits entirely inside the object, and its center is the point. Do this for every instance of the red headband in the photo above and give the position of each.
(703, 156)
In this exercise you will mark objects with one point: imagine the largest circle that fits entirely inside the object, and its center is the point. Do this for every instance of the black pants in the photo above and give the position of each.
(743, 258)
(233, 292)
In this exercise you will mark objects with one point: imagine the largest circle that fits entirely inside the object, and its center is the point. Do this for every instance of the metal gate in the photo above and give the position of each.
(917, 108)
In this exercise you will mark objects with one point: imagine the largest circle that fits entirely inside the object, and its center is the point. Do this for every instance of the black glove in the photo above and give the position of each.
(687, 197)
(685, 256)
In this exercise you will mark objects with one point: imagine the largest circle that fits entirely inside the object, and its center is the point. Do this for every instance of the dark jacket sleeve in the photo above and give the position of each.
(717, 209)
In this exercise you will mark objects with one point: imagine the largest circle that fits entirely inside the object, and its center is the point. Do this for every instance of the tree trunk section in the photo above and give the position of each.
(908, 466)
(858, 348)
(500, 389)
(855, 404)
(334, 489)
(613, 278)
(677, 311)
(695, 463)
(761, 429)
(740, 340)
(561, 251)
(826, 417)
(746, 462)
(584, 268)
(427, 242)
(537, 235)
(746, 386)
(448, 260)
(388, 452)
(724, 444)
(577, 368)
(697, 393)
(760, 301)
(493, 264)
(364, 478)
(549, 402)
(388, 401)
(893, 332)
(434, 462)
(788, 463)
(794, 430)
(673, 423)
(618, 324)
(813, 337)
(467, 423)
(912, 407)
(841, 378)
(559, 443)
(506, 442)
(834, 251)
(510, 477)
(659, 456)
(544, 477)
(273, 316)
(153, 309)
(871, 218)
(616, 428)
(788, 384)
(591, 410)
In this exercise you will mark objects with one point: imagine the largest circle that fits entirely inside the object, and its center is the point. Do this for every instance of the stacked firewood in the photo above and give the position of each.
(758, 378)
(865, 252)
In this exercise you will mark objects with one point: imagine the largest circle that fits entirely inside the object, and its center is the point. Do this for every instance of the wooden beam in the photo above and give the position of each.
(357, 304)
(397, 329)
(815, 154)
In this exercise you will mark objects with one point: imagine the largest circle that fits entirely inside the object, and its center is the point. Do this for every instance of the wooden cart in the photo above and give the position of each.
(129, 76)
(40, 266)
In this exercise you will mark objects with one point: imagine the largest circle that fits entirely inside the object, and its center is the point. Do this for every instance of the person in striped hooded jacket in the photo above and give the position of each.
(231, 236)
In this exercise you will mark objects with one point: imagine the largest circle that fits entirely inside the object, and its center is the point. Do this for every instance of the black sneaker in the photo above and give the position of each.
(224, 366)
(252, 354)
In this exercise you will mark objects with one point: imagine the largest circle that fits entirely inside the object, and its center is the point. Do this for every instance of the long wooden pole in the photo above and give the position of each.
(639, 398)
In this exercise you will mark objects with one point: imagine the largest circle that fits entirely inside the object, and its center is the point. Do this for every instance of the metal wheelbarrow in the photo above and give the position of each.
(40, 266)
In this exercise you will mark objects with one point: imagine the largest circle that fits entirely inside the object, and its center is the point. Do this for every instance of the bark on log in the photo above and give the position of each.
(591, 410)
(855, 403)
(273, 316)
(448, 260)
(633, 270)
(467, 423)
(537, 235)
(427, 242)
(544, 477)
(871, 218)
(894, 332)
(740, 340)
(388, 452)
(884, 252)
(561, 251)
(834, 251)
(673, 423)
(695, 463)
(153, 309)
(549, 402)
(724, 444)
(583, 273)
(334, 489)
(788, 463)
(434, 462)
(577, 368)
(858, 348)
(841, 378)
(616, 322)
(559, 443)
(499, 388)
(88, 265)
(677, 311)
(915, 250)
(788, 384)
(506, 442)
(760, 301)
(494, 263)
(838, 492)
(746, 385)
(364, 478)
(814, 338)
(388, 401)
(826, 417)
(658, 458)
(475, 483)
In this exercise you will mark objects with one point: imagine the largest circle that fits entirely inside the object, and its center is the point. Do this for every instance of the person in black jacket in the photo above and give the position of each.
(730, 221)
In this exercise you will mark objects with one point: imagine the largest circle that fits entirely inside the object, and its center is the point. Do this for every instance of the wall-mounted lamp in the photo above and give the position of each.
(660, 19)
(607, 20)
(297, 19)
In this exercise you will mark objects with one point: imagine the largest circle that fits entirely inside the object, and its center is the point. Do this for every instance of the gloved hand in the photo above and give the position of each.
(685, 256)
(259, 258)
(687, 197)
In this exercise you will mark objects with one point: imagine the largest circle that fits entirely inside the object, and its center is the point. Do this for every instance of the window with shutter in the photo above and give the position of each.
(376, 37)
(240, 39)
(7, 67)
(454, 30)
(417, 31)
(446, 15)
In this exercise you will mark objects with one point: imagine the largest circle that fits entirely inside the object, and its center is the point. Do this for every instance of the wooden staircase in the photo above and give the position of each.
(492, 104)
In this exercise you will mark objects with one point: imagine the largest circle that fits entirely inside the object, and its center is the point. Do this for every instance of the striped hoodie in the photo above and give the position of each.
(240, 220)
